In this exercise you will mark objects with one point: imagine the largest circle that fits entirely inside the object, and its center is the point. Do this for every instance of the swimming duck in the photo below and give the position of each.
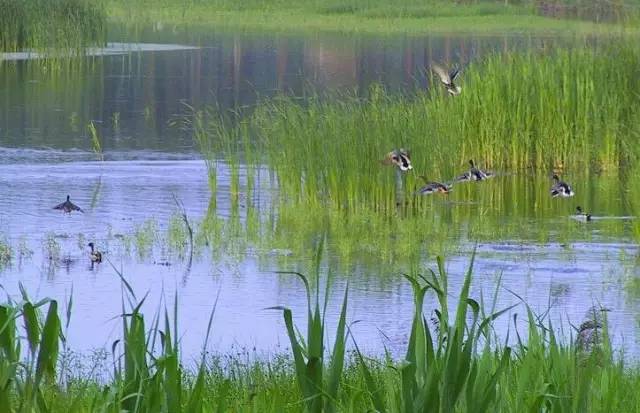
(474, 174)
(433, 187)
(580, 214)
(400, 158)
(447, 79)
(68, 206)
(94, 255)
(561, 188)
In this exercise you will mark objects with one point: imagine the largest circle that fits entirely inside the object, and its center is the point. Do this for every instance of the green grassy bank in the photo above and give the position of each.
(374, 16)
(454, 362)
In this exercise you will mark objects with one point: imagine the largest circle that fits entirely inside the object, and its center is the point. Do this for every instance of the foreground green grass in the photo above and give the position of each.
(452, 363)
(357, 16)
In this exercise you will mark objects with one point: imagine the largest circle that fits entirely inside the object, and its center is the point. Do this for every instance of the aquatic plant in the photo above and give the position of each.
(24, 375)
(6, 252)
(95, 141)
(442, 370)
(521, 115)
(318, 382)
(451, 364)
(23, 248)
(51, 247)
(45, 24)
(145, 236)
(327, 151)
(115, 121)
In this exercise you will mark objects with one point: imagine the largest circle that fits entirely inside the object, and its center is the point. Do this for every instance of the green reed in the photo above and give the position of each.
(529, 112)
(96, 146)
(6, 251)
(453, 362)
(317, 380)
(46, 24)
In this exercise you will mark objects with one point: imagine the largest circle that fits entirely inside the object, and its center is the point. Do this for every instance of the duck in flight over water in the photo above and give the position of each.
(561, 188)
(400, 158)
(68, 206)
(447, 79)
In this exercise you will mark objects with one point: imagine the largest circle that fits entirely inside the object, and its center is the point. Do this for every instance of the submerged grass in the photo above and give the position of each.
(453, 363)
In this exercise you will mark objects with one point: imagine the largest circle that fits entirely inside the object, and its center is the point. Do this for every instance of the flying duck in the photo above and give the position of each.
(561, 188)
(448, 78)
(474, 174)
(433, 187)
(68, 206)
(400, 158)
(94, 255)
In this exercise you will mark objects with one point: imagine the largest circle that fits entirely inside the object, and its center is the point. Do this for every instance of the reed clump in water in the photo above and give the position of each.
(576, 108)
(47, 24)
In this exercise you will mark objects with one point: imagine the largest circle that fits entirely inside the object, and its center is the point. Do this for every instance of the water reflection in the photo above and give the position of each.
(132, 98)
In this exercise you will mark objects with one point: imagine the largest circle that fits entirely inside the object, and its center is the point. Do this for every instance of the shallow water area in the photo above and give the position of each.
(128, 208)
(110, 49)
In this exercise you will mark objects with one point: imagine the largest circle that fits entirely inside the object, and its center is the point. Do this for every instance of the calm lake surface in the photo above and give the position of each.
(134, 99)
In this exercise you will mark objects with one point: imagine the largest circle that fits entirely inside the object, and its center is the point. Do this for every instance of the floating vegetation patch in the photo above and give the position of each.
(47, 24)
(6, 252)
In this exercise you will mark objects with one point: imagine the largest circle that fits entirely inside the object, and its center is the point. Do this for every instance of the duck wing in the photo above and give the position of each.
(566, 189)
(464, 177)
(389, 159)
(454, 73)
(444, 76)
(75, 207)
(60, 205)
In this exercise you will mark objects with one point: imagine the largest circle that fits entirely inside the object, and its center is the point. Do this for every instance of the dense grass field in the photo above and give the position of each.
(376, 16)
(453, 362)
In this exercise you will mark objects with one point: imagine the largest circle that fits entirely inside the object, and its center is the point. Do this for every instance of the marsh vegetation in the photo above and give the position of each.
(452, 363)
(51, 24)
(326, 152)
(406, 16)
(288, 161)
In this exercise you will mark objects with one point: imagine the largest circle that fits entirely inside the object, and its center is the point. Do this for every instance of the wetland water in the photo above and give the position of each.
(524, 238)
